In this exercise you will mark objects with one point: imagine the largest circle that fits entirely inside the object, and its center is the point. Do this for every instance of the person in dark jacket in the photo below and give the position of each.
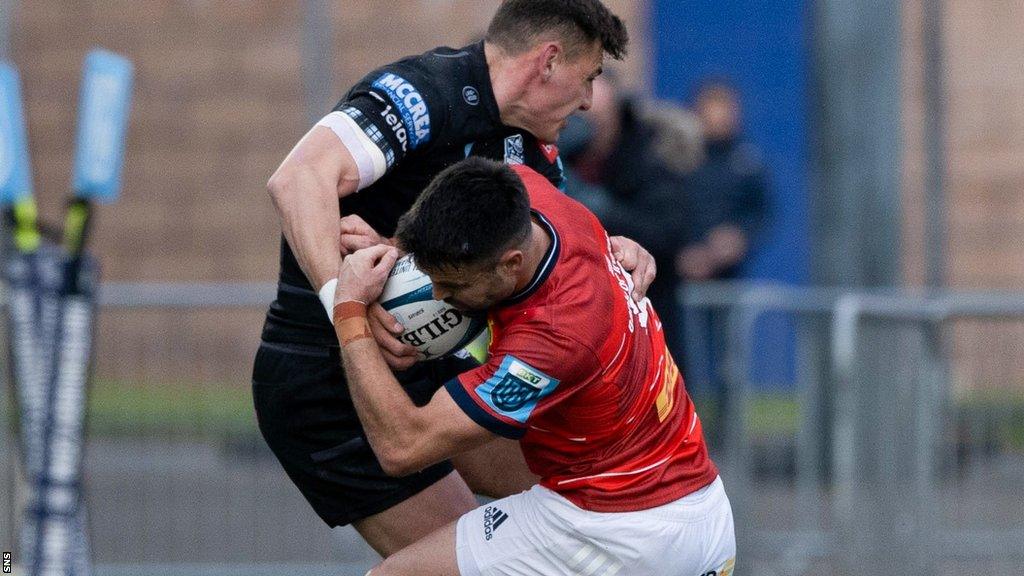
(627, 161)
(726, 197)
(726, 204)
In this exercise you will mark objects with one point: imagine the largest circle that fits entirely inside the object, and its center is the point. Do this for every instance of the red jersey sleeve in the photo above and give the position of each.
(528, 371)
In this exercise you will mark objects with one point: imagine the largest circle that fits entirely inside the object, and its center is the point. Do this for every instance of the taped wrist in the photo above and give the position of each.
(350, 322)
(326, 295)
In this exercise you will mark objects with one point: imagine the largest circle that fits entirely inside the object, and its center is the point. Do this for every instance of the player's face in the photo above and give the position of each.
(473, 289)
(568, 88)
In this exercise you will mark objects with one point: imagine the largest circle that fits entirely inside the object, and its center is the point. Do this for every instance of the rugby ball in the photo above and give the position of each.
(431, 326)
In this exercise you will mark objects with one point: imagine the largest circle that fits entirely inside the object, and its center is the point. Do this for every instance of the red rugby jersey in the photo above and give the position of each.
(579, 372)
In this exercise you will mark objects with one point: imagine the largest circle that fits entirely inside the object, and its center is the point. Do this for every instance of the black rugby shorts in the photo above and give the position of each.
(307, 418)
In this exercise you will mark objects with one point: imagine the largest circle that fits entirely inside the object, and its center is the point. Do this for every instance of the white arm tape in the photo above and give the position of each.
(368, 157)
(326, 295)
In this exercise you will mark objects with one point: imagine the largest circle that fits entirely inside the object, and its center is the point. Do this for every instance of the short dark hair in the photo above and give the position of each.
(578, 22)
(469, 214)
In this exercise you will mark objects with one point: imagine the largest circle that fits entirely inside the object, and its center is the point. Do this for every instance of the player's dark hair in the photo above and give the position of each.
(519, 23)
(468, 215)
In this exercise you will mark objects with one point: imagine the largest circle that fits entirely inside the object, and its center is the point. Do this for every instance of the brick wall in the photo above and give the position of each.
(985, 143)
(218, 104)
(984, 178)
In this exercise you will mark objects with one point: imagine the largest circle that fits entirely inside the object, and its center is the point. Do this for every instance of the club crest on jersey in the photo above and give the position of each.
(470, 95)
(515, 389)
(514, 149)
(550, 152)
(511, 394)
(414, 128)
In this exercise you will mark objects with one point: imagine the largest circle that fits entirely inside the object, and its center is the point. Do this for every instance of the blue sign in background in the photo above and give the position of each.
(761, 47)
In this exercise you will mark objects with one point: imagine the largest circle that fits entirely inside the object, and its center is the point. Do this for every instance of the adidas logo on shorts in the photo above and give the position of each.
(493, 518)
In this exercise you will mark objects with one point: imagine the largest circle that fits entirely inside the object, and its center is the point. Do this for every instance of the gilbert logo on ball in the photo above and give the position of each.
(431, 326)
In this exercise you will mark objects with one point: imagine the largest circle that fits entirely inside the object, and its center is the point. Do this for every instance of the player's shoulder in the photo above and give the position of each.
(533, 180)
(447, 90)
(565, 214)
(442, 74)
(551, 341)
(565, 309)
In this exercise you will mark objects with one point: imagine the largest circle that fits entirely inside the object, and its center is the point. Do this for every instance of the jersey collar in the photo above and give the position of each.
(547, 263)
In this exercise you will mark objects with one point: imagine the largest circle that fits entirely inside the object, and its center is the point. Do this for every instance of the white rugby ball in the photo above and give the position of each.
(431, 326)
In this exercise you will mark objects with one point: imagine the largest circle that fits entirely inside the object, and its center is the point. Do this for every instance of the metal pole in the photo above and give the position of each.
(316, 58)
(935, 145)
(8, 473)
(856, 105)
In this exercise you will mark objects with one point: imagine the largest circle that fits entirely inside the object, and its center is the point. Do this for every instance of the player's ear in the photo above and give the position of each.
(511, 261)
(549, 54)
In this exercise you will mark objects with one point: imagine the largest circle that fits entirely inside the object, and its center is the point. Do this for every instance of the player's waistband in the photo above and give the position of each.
(690, 507)
(297, 316)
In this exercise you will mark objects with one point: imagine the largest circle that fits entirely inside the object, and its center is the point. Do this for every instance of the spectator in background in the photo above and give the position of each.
(725, 205)
(726, 198)
(627, 161)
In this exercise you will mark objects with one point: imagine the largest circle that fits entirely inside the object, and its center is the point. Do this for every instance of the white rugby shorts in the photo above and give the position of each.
(541, 533)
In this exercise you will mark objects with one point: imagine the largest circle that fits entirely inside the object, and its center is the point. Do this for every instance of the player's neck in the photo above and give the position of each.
(508, 82)
(540, 241)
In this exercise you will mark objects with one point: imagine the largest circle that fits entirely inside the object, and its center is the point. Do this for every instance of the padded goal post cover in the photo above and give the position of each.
(103, 107)
(15, 169)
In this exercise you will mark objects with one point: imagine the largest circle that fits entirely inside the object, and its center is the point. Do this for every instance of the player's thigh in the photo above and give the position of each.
(417, 516)
(528, 534)
(541, 533)
(496, 469)
(432, 555)
(307, 419)
(722, 538)
(692, 536)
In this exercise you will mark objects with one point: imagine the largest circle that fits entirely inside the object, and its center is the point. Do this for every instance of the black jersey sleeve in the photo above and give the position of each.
(394, 111)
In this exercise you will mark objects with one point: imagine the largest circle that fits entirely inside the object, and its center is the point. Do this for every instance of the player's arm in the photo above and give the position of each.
(368, 134)
(406, 438)
(305, 189)
(349, 149)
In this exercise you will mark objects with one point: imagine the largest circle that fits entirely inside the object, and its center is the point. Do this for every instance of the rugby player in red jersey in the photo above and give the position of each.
(577, 371)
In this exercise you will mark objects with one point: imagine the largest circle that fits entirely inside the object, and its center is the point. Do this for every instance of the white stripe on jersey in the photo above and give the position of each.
(368, 157)
(616, 357)
(626, 473)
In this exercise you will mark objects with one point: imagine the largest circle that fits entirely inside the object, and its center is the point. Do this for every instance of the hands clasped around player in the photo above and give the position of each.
(356, 234)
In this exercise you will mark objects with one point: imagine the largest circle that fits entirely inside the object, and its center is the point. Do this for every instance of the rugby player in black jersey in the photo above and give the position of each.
(505, 98)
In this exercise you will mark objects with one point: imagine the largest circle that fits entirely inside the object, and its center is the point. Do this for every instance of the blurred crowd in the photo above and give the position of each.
(682, 181)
